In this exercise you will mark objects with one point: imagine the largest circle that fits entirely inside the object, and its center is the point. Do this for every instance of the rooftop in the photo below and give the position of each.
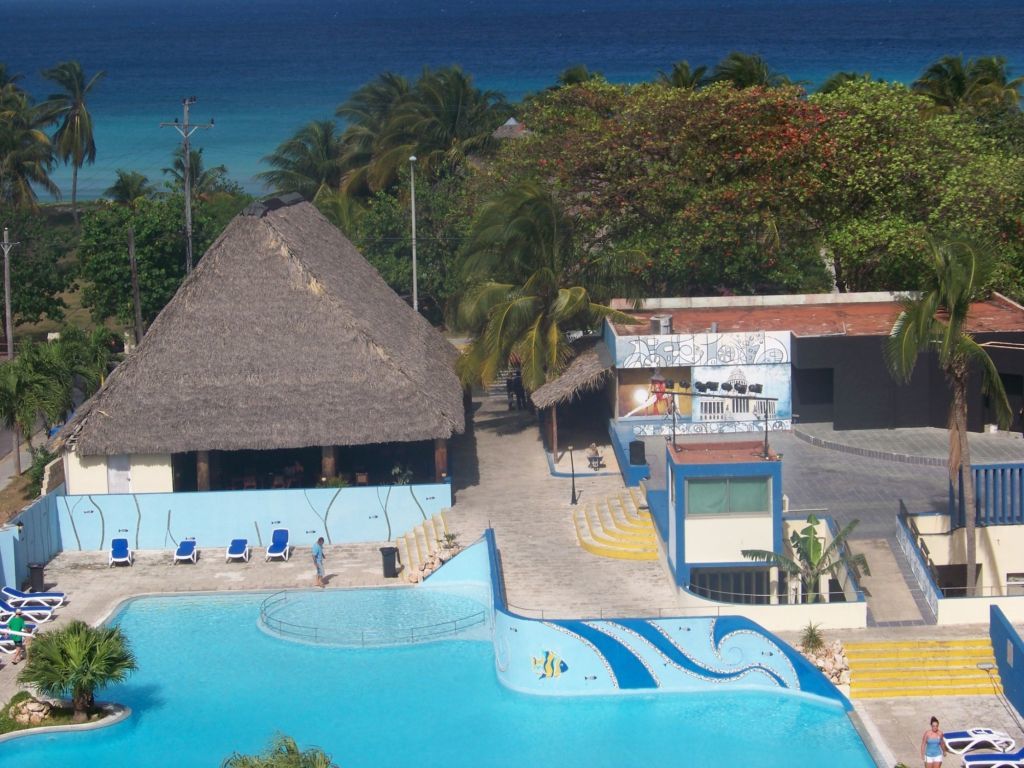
(870, 314)
(732, 452)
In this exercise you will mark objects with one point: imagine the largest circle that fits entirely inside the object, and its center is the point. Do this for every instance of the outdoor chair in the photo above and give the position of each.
(978, 738)
(35, 613)
(186, 552)
(595, 460)
(18, 599)
(238, 549)
(119, 552)
(993, 760)
(279, 544)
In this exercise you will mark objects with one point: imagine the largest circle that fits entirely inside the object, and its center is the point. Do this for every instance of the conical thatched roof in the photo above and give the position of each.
(284, 336)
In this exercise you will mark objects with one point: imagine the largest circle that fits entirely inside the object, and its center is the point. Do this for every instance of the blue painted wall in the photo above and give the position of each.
(621, 435)
(998, 496)
(683, 472)
(1009, 653)
(37, 540)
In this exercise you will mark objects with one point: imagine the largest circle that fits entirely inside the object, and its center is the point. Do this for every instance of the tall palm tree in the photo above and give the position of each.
(129, 187)
(26, 152)
(937, 322)
(577, 74)
(73, 141)
(746, 70)
(26, 394)
(953, 84)
(523, 267)
(812, 560)
(75, 661)
(283, 752)
(203, 180)
(683, 76)
(310, 162)
(367, 113)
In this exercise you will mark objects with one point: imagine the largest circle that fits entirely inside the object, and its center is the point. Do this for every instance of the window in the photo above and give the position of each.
(728, 496)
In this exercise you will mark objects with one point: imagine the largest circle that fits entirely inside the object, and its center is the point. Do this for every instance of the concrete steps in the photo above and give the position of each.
(418, 544)
(616, 527)
(932, 668)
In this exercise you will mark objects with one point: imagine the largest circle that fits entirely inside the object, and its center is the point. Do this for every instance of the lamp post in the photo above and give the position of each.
(572, 468)
(7, 245)
(412, 187)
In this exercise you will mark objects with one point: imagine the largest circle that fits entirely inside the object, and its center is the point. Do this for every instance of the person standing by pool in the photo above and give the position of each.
(933, 745)
(318, 561)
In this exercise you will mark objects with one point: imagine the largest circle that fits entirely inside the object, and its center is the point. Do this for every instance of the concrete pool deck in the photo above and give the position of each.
(503, 481)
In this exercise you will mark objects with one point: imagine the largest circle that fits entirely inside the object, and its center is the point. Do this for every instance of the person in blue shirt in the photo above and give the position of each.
(933, 745)
(318, 561)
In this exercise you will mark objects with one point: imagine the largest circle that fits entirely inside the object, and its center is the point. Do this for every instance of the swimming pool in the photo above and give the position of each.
(211, 682)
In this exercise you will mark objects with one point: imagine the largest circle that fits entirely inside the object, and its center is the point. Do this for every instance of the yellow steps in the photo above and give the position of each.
(418, 544)
(614, 527)
(930, 668)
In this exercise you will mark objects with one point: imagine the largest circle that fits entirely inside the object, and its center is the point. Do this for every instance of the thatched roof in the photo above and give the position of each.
(510, 129)
(284, 336)
(585, 372)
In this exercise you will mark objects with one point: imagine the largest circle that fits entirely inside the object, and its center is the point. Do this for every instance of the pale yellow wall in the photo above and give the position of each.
(720, 538)
(151, 473)
(998, 549)
(85, 474)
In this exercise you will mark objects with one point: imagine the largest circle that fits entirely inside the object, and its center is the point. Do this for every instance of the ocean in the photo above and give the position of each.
(262, 68)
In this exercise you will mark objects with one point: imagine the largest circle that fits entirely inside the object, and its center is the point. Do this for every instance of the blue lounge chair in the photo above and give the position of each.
(238, 549)
(186, 552)
(279, 544)
(36, 613)
(992, 760)
(978, 738)
(18, 598)
(119, 552)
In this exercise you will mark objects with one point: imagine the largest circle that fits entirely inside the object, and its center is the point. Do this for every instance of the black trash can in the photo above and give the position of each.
(389, 558)
(36, 580)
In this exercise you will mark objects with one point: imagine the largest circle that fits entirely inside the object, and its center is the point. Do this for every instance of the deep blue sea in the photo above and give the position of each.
(262, 68)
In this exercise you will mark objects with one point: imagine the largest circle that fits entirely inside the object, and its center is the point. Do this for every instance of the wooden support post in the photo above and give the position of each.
(554, 433)
(440, 459)
(328, 461)
(202, 470)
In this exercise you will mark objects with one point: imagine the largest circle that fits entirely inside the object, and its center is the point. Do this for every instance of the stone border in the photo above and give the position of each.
(116, 713)
(902, 458)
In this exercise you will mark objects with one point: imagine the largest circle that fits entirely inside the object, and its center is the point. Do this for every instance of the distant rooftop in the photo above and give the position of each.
(850, 314)
(733, 452)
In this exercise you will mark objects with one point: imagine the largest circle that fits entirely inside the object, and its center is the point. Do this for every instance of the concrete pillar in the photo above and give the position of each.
(202, 470)
(440, 459)
(773, 586)
(328, 461)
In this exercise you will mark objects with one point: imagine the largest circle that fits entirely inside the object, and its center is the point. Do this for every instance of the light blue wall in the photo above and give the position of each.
(37, 541)
(1009, 653)
(161, 520)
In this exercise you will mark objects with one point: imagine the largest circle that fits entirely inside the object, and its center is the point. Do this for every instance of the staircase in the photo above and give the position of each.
(417, 545)
(933, 668)
(617, 526)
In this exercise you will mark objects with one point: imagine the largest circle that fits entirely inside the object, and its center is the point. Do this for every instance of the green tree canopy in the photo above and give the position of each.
(283, 752)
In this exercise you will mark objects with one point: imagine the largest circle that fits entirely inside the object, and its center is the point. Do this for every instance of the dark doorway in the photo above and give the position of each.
(813, 394)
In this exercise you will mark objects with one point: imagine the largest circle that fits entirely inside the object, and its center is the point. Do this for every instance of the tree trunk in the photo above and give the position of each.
(81, 701)
(17, 449)
(74, 193)
(960, 467)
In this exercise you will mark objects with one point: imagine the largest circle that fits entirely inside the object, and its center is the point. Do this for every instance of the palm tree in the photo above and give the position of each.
(203, 180)
(310, 162)
(937, 322)
(746, 70)
(26, 393)
(812, 560)
(75, 661)
(73, 140)
(952, 84)
(367, 113)
(8, 79)
(283, 752)
(523, 268)
(129, 187)
(576, 75)
(839, 79)
(26, 153)
(683, 76)
(342, 210)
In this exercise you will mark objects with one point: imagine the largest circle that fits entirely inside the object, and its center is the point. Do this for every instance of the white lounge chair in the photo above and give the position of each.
(993, 760)
(18, 598)
(978, 738)
(36, 613)
(119, 552)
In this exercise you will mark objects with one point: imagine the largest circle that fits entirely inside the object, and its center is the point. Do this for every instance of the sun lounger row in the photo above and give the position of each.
(187, 550)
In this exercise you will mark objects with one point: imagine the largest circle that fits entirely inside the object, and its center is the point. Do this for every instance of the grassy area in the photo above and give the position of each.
(57, 716)
(14, 497)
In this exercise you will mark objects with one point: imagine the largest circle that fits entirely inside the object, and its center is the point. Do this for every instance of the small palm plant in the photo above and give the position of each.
(812, 560)
(75, 661)
(283, 752)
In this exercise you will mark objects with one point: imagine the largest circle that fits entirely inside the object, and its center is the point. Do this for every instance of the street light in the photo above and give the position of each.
(572, 469)
(412, 187)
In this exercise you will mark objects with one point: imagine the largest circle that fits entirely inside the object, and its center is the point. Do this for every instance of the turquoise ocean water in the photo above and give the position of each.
(262, 68)
(210, 682)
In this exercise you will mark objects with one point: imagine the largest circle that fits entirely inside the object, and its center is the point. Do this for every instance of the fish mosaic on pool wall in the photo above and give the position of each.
(548, 666)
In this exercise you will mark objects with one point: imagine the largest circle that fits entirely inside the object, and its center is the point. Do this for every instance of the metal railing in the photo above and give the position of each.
(360, 637)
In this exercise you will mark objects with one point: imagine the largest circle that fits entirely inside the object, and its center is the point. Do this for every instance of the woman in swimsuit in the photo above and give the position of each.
(933, 745)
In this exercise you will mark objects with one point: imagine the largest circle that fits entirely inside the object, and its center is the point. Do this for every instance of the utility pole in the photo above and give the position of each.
(8, 327)
(186, 129)
(412, 185)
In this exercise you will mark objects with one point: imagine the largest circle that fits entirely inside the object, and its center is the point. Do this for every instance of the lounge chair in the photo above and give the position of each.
(993, 760)
(119, 552)
(36, 613)
(6, 633)
(17, 598)
(238, 549)
(978, 738)
(279, 544)
(186, 552)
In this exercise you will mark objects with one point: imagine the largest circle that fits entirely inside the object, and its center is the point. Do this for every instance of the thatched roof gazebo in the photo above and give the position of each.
(589, 370)
(284, 336)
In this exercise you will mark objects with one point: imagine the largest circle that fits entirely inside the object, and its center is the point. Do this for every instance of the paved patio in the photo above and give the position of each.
(502, 480)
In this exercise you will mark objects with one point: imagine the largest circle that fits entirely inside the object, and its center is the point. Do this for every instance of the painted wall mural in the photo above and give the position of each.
(685, 349)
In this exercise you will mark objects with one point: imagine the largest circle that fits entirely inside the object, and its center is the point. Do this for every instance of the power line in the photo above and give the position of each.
(186, 130)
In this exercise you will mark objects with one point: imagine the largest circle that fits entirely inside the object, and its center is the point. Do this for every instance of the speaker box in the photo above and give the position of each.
(636, 452)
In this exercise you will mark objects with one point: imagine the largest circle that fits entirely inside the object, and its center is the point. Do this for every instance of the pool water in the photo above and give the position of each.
(210, 682)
